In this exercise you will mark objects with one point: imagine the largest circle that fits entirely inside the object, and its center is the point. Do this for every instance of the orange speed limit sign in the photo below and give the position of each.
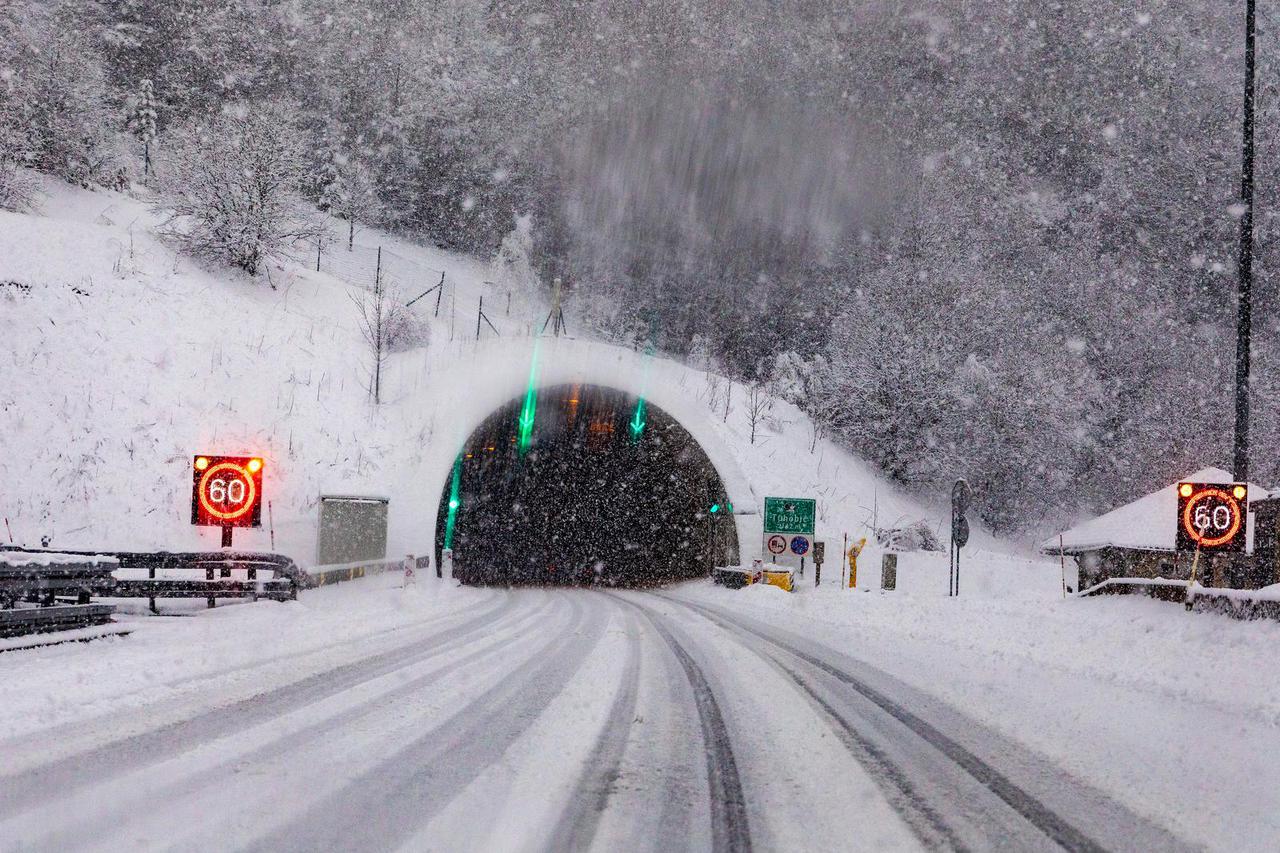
(1211, 516)
(226, 491)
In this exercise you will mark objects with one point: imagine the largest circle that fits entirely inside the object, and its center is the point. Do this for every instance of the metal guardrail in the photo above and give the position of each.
(1243, 604)
(42, 578)
(340, 572)
(17, 622)
(46, 583)
(283, 584)
(1164, 589)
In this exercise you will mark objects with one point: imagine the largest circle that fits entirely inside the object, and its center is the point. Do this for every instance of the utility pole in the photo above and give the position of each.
(1244, 301)
(377, 330)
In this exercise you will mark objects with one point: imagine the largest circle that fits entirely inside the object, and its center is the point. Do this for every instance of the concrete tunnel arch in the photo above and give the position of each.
(456, 402)
(584, 484)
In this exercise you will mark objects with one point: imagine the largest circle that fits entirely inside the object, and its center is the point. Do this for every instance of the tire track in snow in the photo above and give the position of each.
(928, 825)
(577, 826)
(1052, 825)
(30, 787)
(385, 806)
(729, 825)
(222, 774)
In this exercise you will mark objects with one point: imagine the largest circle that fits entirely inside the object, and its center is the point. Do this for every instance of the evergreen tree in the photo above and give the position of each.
(142, 123)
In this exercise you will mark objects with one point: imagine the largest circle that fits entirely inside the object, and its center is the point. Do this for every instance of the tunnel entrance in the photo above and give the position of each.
(583, 484)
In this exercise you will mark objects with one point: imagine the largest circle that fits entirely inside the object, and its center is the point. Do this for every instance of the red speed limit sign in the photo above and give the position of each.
(1211, 516)
(226, 491)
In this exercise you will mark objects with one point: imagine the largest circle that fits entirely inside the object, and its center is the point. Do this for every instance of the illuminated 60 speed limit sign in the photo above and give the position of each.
(1211, 516)
(226, 491)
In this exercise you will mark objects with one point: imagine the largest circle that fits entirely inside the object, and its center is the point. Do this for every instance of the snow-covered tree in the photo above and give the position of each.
(142, 123)
(55, 93)
(512, 266)
(759, 404)
(354, 196)
(386, 325)
(231, 184)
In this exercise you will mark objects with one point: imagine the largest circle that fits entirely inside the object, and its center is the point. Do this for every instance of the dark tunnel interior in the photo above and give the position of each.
(583, 484)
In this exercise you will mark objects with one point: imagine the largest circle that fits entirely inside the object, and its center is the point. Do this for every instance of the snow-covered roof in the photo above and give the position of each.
(1146, 524)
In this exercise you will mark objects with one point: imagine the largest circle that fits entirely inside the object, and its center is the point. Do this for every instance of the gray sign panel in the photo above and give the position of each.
(351, 529)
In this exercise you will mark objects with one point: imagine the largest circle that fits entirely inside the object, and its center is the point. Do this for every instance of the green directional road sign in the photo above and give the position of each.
(789, 515)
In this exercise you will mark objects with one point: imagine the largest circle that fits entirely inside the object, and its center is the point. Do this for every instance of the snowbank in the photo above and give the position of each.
(174, 659)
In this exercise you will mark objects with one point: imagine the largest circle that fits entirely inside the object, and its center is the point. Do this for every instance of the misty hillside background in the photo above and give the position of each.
(993, 239)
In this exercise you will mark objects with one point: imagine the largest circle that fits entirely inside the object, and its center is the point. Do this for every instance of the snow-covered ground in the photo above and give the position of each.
(458, 718)
(1165, 711)
(542, 718)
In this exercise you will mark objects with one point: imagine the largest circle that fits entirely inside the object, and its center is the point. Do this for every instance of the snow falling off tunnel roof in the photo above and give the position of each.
(1146, 524)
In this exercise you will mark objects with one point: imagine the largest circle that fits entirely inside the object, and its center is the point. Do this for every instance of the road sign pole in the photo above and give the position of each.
(844, 551)
(1062, 560)
(960, 495)
(951, 556)
(1191, 582)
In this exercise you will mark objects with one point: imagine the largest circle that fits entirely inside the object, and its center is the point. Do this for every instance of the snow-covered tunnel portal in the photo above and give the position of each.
(582, 483)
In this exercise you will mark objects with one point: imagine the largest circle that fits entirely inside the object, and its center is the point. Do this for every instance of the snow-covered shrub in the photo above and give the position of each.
(231, 183)
(512, 266)
(917, 536)
(407, 330)
(17, 187)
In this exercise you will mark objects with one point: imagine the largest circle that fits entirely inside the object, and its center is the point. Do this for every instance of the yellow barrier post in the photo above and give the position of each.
(854, 550)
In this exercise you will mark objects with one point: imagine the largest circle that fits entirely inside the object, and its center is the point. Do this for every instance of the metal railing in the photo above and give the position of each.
(50, 591)
(281, 582)
(339, 572)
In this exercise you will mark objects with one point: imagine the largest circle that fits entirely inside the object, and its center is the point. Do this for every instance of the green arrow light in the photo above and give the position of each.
(637, 422)
(529, 410)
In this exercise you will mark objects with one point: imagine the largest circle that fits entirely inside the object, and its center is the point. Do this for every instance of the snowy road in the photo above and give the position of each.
(553, 719)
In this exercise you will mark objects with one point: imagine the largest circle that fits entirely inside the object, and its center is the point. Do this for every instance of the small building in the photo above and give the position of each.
(1137, 541)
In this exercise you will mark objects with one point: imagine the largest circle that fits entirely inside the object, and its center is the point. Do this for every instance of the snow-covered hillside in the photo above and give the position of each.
(125, 358)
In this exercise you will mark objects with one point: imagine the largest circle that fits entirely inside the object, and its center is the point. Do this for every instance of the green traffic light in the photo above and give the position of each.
(451, 518)
(715, 508)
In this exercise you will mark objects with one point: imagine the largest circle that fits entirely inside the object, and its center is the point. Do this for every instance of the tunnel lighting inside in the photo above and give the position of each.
(583, 484)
